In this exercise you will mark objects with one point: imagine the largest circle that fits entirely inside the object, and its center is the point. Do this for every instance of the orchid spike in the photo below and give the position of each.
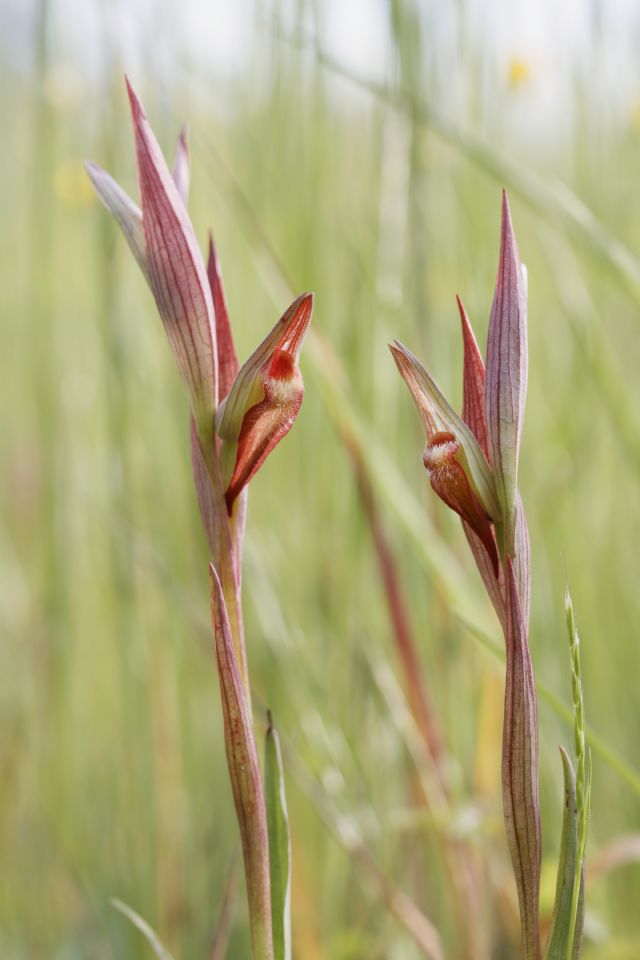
(472, 463)
(483, 443)
(163, 241)
(261, 401)
(265, 398)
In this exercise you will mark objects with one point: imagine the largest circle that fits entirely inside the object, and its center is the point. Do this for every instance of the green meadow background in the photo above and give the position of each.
(374, 181)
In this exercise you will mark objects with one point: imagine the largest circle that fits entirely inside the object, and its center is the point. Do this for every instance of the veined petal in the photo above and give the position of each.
(244, 773)
(473, 383)
(506, 376)
(473, 413)
(450, 482)
(522, 560)
(248, 388)
(228, 365)
(124, 211)
(176, 271)
(438, 417)
(266, 423)
(180, 171)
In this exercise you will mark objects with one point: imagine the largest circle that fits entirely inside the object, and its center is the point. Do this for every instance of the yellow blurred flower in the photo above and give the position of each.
(71, 184)
(63, 86)
(634, 116)
(518, 72)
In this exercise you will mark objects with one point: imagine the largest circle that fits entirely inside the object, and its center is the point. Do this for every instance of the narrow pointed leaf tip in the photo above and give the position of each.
(265, 398)
(228, 365)
(439, 417)
(582, 778)
(473, 383)
(176, 271)
(506, 373)
(181, 166)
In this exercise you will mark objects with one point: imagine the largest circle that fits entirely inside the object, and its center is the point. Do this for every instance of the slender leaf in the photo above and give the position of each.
(583, 779)
(279, 845)
(561, 922)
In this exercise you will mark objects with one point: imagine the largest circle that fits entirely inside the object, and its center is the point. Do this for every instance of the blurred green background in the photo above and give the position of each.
(357, 150)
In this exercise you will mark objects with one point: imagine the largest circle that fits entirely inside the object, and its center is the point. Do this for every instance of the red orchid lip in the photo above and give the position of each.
(441, 446)
(282, 366)
(450, 482)
(263, 427)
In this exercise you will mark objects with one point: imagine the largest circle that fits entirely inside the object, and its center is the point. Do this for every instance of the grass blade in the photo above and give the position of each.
(223, 929)
(148, 932)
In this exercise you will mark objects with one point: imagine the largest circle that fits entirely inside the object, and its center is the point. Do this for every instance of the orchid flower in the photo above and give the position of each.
(238, 415)
(472, 463)
(265, 398)
(259, 408)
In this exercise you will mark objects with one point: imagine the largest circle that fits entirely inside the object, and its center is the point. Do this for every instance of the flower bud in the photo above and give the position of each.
(265, 398)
